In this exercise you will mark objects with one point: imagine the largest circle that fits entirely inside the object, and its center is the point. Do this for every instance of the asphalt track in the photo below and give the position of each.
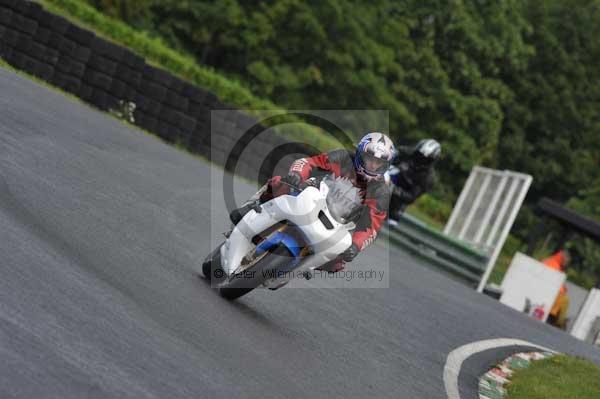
(102, 230)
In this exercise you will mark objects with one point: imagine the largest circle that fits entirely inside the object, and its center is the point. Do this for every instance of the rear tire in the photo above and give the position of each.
(256, 275)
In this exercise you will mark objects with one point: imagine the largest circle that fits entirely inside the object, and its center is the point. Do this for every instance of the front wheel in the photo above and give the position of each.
(242, 283)
(212, 264)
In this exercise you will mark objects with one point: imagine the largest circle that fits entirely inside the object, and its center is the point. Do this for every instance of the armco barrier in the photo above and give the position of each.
(437, 248)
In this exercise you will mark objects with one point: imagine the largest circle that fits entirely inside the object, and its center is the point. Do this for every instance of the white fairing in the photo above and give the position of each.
(301, 210)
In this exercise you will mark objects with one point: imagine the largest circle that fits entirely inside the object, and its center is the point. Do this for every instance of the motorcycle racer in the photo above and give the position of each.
(364, 168)
(412, 174)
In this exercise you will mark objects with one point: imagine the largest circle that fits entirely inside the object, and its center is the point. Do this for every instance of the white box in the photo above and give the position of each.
(530, 280)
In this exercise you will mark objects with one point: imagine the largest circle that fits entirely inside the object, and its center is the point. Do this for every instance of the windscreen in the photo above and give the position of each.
(343, 199)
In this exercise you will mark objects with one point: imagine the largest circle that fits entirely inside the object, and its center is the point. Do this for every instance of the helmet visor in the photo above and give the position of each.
(374, 165)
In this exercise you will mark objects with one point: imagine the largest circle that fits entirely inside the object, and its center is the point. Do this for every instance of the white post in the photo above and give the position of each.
(505, 231)
(503, 209)
(461, 199)
(491, 208)
(474, 207)
(588, 312)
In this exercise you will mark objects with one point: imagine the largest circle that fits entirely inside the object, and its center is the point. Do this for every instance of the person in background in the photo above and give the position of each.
(558, 314)
(412, 175)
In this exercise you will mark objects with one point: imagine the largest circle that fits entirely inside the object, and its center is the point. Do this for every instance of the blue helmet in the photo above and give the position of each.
(374, 155)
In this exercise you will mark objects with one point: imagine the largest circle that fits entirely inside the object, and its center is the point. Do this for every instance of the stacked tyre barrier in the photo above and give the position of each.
(107, 76)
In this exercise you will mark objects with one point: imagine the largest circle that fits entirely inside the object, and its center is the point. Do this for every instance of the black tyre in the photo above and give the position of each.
(102, 64)
(66, 46)
(186, 123)
(158, 76)
(153, 91)
(82, 36)
(97, 79)
(146, 121)
(56, 23)
(240, 285)
(214, 258)
(5, 16)
(107, 49)
(81, 54)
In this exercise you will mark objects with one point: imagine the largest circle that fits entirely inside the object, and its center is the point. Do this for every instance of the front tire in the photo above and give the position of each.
(212, 264)
(244, 282)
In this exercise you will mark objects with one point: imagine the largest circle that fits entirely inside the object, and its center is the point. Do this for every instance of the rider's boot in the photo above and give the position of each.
(237, 214)
(253, 203)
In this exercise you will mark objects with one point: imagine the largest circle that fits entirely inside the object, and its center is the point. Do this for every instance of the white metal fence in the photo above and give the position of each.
(486, 209)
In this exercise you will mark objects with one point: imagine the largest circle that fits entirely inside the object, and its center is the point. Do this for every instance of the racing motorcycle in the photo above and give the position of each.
(286, 237)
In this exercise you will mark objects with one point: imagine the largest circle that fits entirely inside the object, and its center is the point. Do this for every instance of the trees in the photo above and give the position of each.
(552, 126)
(587, 202)
(511, 84)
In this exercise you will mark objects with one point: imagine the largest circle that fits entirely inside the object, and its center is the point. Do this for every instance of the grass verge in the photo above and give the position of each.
(557, 377)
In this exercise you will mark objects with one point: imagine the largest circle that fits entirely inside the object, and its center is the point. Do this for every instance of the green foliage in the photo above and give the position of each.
(552, 132)
(586, 272)
(437, 211)
(582, 278)
(511, 246)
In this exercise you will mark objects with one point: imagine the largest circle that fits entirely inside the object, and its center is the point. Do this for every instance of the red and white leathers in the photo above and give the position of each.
(374, 193)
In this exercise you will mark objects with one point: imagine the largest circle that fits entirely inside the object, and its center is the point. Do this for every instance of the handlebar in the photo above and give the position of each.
(310, 182)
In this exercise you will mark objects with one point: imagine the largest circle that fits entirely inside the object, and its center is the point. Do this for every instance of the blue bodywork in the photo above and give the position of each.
(281, 238)
(395, 177)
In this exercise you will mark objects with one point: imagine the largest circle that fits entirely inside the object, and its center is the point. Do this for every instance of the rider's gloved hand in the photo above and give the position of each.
(310, 182)
(293, 179)
(349, 254)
